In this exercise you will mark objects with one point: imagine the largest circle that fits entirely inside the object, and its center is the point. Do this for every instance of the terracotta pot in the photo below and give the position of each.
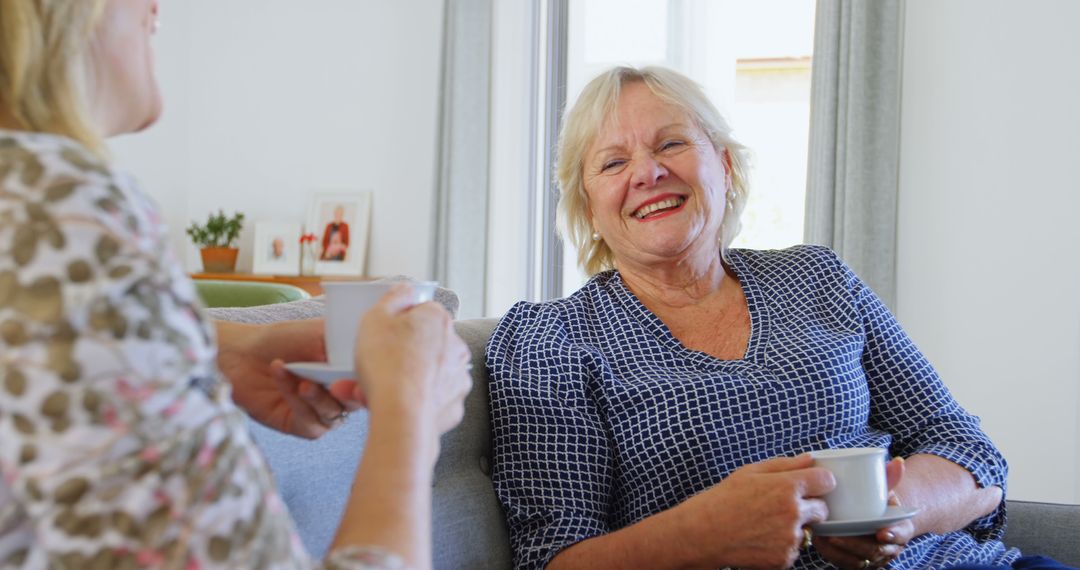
(219, 259)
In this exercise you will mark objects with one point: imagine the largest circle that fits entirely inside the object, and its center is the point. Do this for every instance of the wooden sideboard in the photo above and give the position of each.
(309, 283)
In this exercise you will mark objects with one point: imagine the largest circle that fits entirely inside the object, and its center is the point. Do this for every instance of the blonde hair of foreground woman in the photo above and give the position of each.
(45, 77)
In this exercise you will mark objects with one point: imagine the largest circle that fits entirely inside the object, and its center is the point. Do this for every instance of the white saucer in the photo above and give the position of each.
(320, 372)
(863, 527)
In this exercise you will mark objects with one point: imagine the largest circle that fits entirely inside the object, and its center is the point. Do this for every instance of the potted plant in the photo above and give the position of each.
(216, 241)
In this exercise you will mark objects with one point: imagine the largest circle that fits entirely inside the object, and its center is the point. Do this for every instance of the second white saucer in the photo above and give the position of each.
(863, 527)
(320, 372)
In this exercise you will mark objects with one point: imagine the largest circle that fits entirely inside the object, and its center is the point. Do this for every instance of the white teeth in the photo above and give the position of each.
(661, 205)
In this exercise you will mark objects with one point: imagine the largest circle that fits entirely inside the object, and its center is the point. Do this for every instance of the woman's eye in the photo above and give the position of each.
(611, 165)
(668, 145)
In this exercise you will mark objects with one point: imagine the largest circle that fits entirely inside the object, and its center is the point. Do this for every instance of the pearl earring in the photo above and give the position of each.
(596, 236)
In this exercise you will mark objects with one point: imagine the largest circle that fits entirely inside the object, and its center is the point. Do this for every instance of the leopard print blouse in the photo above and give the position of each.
(120, 447)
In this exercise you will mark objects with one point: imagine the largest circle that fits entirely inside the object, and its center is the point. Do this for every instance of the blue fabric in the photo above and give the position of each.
(1023, 563)
(314, 477)
(602, 418)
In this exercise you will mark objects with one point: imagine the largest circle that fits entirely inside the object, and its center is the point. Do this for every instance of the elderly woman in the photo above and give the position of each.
(660, 416)
(121, 441)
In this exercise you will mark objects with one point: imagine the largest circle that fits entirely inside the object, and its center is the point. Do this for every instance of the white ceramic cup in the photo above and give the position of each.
(861, 491)
(346, 303)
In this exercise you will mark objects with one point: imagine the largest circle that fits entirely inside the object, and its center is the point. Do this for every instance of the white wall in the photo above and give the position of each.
(989, 235)
(270, 101)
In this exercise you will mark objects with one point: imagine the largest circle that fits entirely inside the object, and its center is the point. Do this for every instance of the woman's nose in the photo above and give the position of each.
(647, 172)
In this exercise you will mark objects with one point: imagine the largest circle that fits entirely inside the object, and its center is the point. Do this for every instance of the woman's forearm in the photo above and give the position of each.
(945, 493)
(390, 503)
(232, 336)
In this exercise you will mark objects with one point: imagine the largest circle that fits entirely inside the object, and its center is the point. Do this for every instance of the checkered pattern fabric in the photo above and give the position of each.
(602, 418)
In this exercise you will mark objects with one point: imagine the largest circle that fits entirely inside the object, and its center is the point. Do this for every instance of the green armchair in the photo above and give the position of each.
(246, 293)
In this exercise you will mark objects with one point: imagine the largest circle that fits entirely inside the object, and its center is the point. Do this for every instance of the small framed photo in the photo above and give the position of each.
(340, 224)
(277, 248)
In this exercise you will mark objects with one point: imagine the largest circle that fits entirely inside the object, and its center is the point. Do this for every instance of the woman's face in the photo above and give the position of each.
(656, 186)
(125, 95)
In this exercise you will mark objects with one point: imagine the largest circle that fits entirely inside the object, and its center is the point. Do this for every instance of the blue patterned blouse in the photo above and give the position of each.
(602, 418)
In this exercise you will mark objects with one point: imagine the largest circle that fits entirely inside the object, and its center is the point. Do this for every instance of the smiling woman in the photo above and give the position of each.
(649, 150)
(752, 58)
(685, 383)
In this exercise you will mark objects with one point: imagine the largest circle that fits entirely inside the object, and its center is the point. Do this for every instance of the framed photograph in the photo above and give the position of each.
(340, 224)
(277, 248)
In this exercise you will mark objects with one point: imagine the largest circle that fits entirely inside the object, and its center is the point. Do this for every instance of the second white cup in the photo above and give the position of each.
(346, 302)
(861, 491)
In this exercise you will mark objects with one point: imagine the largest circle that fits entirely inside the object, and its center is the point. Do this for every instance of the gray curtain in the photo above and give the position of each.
(461, 213)
(855, 136)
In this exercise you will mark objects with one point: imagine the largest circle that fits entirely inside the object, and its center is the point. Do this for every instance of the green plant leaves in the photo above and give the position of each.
(219, 231)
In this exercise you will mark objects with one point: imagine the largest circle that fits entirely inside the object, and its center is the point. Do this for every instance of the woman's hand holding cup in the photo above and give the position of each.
(408, 356)
(755, 517)
(875, 550)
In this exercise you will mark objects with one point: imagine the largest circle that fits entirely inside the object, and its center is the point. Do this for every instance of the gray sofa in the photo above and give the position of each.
(469, 532)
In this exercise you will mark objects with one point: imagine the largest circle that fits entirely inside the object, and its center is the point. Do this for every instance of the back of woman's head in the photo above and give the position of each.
(44, 71)
(581, 125)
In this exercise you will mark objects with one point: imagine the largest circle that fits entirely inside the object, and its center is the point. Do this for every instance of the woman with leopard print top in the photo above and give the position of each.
(119, 445)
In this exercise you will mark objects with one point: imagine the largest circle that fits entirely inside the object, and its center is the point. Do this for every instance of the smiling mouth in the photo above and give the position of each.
(657, 208)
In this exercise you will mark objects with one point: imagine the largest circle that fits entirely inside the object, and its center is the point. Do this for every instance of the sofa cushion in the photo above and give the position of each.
(468, 523)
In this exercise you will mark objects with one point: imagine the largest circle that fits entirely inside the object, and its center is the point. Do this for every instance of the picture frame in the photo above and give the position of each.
(340, 222)
(277, 248)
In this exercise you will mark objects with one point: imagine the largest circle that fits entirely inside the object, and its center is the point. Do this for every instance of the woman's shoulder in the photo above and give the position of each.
(34, 154)
(792, 265)
(581, 304)
(799, 272)
(803, 257)
(566, 318)
(53, 180)
(46, 170)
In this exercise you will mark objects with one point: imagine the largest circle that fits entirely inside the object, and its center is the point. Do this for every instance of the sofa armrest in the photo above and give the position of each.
(1046, 529)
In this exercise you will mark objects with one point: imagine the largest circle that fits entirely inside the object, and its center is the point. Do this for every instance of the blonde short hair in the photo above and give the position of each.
(44, 72)
(581, 125)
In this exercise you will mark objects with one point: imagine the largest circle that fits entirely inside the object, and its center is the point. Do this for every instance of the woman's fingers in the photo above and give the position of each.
(894, 472)
(349, 394)
(879, 548)
(850, 552)
(899, 533)
(397, 299)
(814, 481)
(325, 406)
(315, 400)
(779, 464)
(456, 379)
(814, 510)
(305, 420)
